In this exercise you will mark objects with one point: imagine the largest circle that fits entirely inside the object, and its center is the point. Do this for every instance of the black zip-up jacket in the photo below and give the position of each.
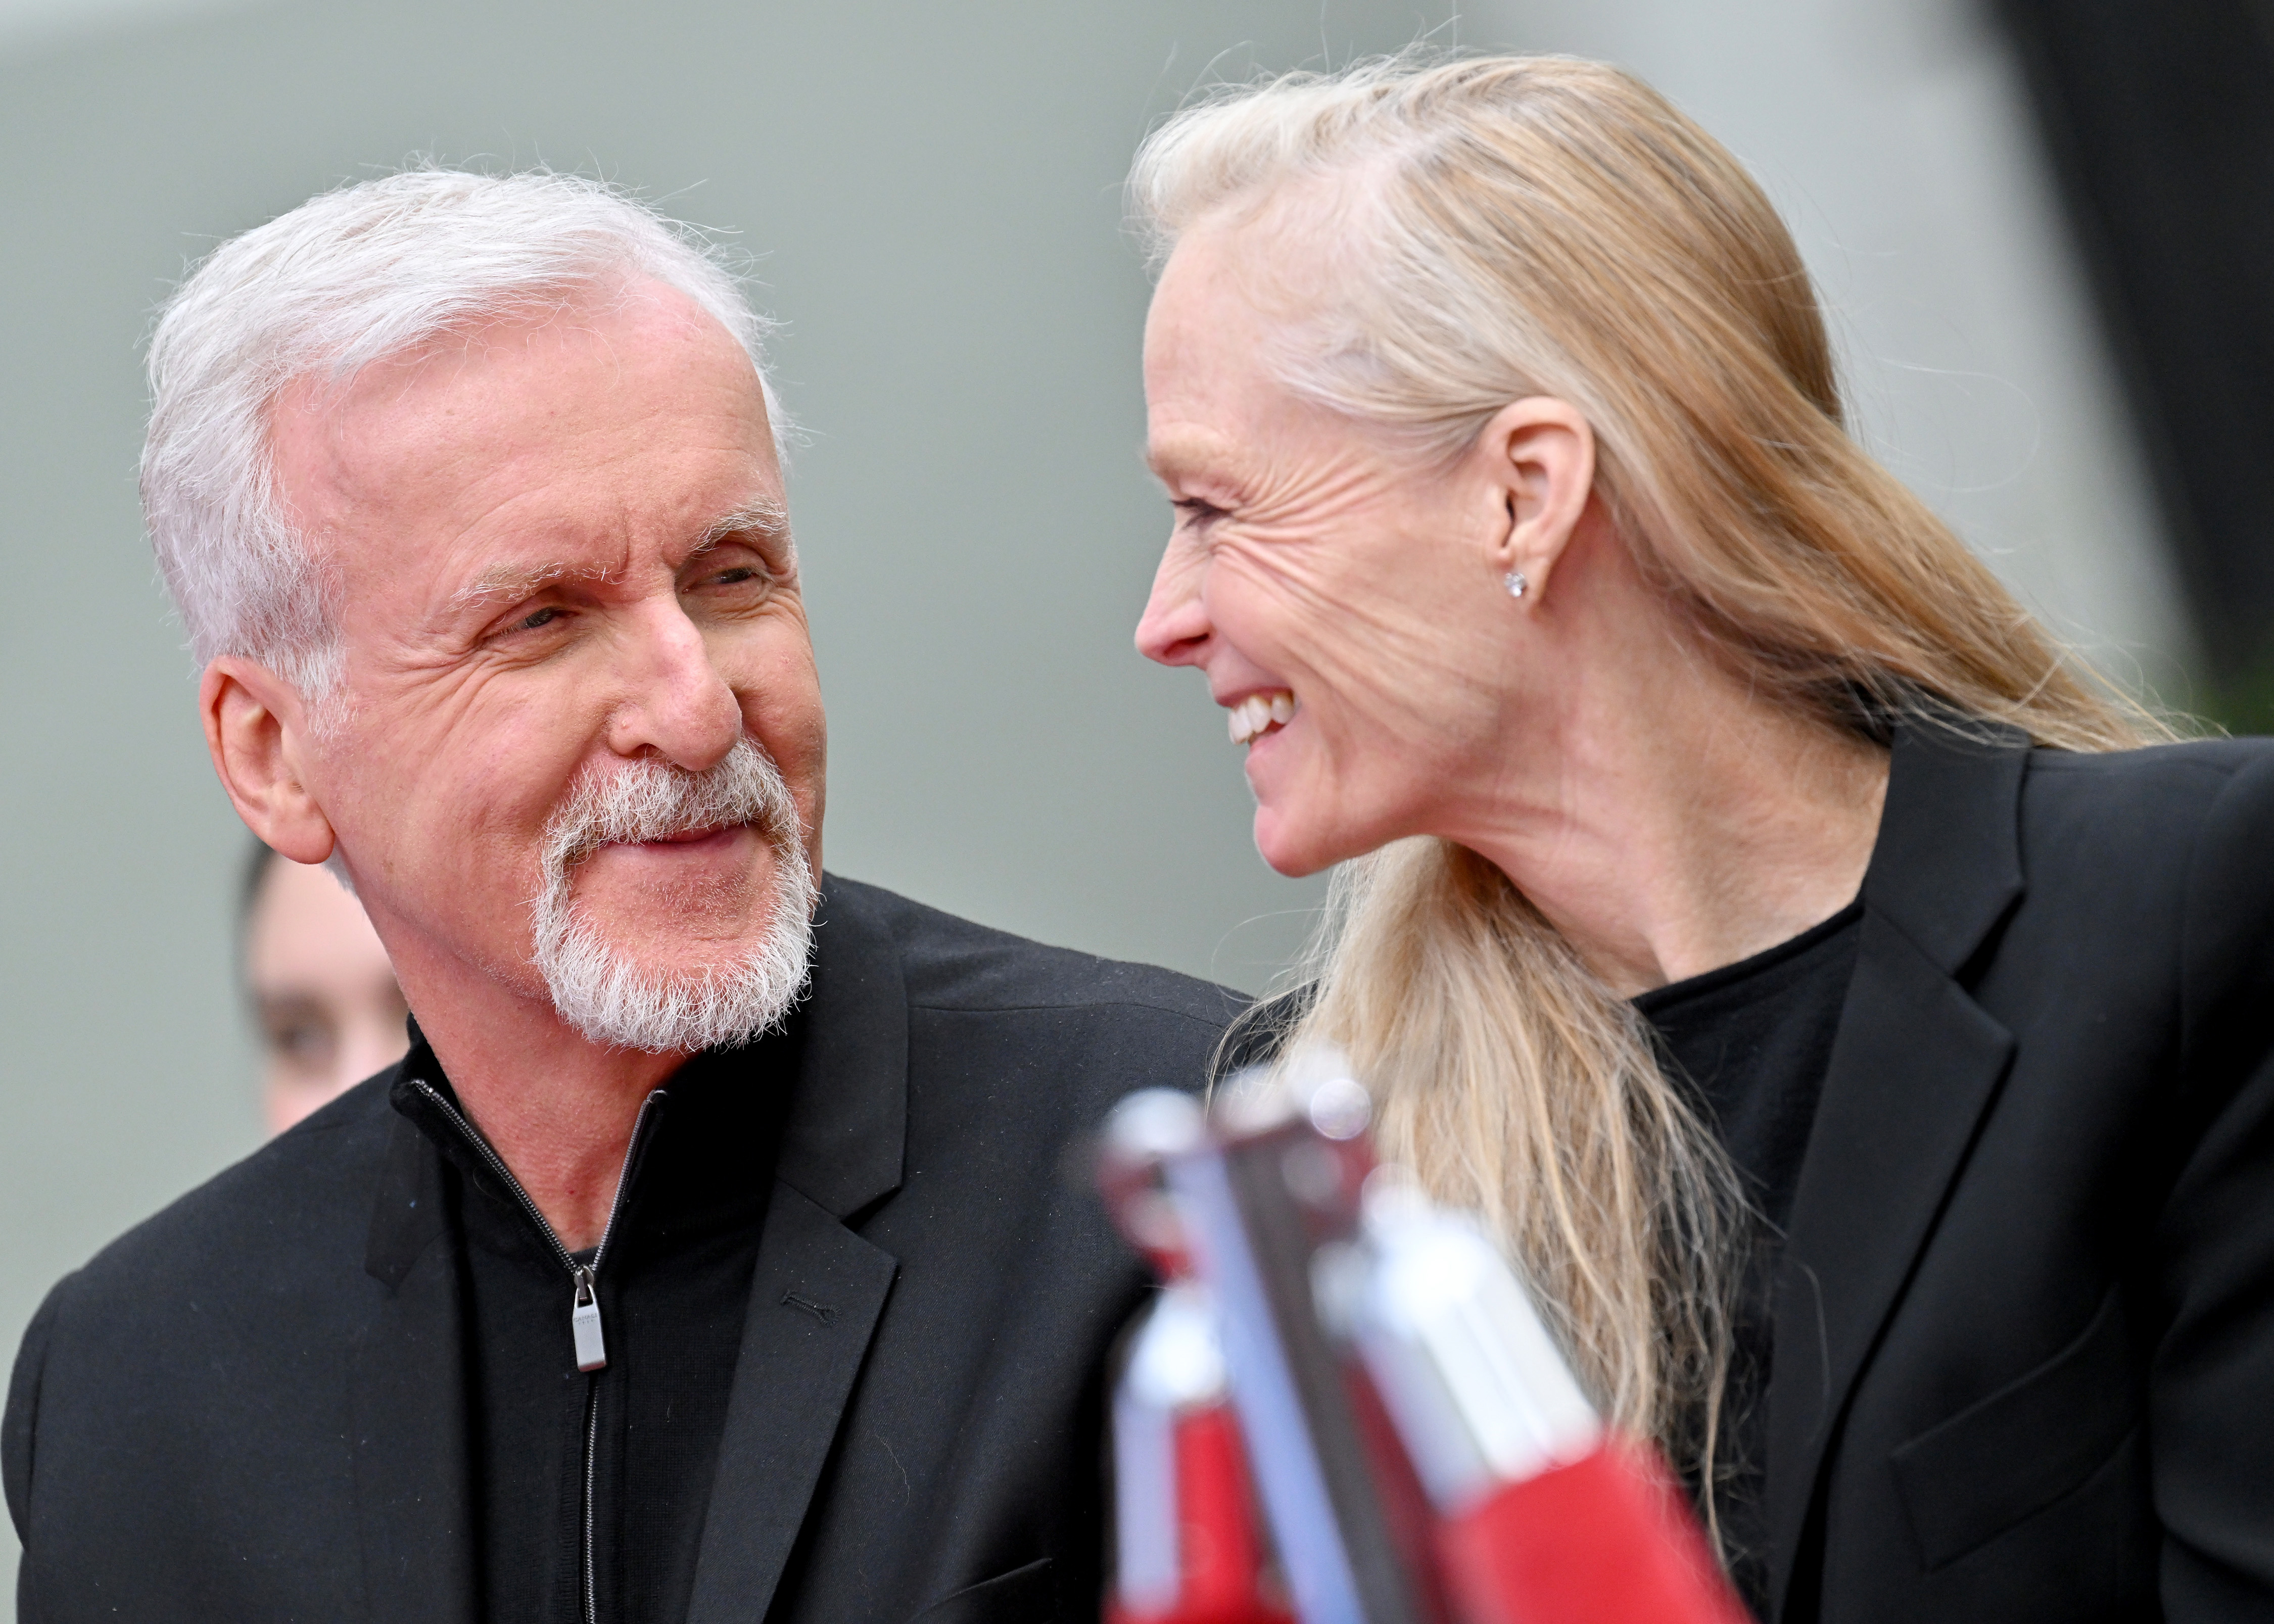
(255, 1407)
(598, 1381)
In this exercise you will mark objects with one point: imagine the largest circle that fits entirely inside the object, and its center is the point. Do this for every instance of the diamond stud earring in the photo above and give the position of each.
(1515, 582)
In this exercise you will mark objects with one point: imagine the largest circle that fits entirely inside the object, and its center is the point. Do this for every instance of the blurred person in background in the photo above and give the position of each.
(706, 1256)
(323, 994)
(1851, 1014)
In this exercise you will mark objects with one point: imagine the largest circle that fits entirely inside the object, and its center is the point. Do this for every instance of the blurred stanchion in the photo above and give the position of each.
(1417, 1446)
(1187, 1549)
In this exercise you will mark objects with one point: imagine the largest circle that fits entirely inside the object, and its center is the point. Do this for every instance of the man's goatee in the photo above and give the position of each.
(596, 987)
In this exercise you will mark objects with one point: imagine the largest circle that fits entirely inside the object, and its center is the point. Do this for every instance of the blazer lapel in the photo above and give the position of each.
(407, 1403)
(815, 1301)
(1916, 1064)
(819, 1289)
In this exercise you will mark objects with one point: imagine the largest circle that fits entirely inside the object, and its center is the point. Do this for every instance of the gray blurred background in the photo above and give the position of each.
(932, 192)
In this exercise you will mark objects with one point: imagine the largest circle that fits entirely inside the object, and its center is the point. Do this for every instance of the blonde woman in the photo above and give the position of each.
(1854, 1019)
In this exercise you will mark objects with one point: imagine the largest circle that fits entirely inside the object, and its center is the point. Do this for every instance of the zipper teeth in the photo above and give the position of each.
(623, 1177)
(576, 1271)
(592, 1449)
(473, 1136)
(497, 1165)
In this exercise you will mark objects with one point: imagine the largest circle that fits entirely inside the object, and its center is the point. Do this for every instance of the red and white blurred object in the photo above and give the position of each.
(1542, 1515)
(1422, 1453)
(1187, 1544)
(1188, 1548)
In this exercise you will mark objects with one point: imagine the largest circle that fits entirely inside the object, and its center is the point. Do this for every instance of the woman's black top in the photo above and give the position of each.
(1752, 1042)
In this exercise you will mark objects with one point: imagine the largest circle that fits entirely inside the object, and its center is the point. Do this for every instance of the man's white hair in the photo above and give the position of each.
(359, 276)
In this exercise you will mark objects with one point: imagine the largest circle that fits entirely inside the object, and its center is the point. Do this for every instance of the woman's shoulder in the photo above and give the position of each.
(2191, 821)
(2151, 794)
(2190, 758)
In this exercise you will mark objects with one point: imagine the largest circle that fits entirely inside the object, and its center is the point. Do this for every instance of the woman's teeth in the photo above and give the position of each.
(1259, 713)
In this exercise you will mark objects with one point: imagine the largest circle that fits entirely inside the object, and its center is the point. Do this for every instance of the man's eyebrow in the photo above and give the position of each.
(503, 581)
(759, 515)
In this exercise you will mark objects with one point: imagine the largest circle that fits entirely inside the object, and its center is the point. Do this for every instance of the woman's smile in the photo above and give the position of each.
(1261, 713)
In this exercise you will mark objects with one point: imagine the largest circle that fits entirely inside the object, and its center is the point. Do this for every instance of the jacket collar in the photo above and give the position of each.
(1915, 1064)
(1947, 863)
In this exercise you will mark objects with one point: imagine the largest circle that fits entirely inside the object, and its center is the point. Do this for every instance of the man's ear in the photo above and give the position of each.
(256, 730)
(1538, 457)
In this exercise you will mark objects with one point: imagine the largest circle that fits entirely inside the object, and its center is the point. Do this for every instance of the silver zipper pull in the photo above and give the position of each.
(585, 1324)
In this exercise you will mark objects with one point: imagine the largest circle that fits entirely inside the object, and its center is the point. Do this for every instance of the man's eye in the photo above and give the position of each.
(1194, 512)
(536, 618)
(736, 575)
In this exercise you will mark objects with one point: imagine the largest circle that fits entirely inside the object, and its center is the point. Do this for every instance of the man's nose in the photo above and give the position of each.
(1174, 629)
(679, 704)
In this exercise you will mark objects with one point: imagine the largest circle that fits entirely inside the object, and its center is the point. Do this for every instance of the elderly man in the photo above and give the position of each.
(662, 1280)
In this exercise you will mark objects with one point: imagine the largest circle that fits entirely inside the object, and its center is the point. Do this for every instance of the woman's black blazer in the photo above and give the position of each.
(2024, 1330)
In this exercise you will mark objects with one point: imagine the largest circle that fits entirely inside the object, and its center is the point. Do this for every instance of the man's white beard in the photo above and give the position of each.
(596, 987)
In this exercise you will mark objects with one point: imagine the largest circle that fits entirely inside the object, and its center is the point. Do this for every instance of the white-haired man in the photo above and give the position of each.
(661, 1279)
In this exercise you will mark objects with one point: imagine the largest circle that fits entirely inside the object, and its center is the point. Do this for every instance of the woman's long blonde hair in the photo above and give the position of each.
(1507, 227)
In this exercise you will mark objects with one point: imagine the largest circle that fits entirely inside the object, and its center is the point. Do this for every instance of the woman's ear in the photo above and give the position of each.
(256, 730)
(1538, 457)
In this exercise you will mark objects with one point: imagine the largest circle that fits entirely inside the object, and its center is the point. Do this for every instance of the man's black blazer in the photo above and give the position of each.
(2024, 1339)
(251, 1408)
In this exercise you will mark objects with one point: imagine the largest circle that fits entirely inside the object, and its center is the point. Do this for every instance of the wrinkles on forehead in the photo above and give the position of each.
(562, 455)
(410, 400)
(1223, 428)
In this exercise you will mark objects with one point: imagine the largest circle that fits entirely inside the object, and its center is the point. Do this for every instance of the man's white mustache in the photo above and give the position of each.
(653, 801)
(610, 998)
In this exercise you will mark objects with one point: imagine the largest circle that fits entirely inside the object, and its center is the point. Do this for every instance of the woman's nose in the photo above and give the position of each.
(1174, 629)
